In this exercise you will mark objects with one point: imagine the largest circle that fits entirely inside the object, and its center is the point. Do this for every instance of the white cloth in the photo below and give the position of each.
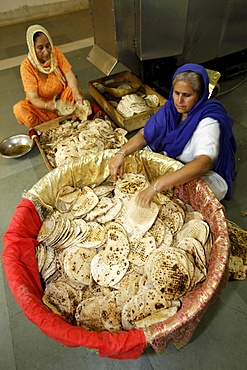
(205, 141)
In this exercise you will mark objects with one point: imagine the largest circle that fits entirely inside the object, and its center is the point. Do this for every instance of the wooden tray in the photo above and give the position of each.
(53, 123)
(131, 123)
(43, 127)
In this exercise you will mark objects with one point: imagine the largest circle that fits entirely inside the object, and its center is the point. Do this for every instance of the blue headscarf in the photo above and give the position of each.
(165, 133)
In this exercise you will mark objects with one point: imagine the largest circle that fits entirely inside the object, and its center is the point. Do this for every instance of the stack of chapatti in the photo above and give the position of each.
(109, 264)
(75, 138)
(136, 103)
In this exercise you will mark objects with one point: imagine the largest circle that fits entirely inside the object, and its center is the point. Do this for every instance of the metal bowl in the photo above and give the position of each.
(16, 146)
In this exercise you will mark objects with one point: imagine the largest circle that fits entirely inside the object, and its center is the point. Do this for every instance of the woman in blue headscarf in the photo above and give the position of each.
(192, 129)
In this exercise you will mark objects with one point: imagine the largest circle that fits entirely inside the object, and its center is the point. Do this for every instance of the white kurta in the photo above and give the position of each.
(206, 141)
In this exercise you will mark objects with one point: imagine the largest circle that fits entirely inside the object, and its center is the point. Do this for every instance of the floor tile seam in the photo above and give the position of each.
(239, 310)
(15, 314)
(65, 48)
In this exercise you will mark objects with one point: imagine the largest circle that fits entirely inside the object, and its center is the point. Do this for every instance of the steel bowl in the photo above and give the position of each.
(16, 146)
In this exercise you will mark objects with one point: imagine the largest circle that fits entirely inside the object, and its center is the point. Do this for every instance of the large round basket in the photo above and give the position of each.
(24, 280)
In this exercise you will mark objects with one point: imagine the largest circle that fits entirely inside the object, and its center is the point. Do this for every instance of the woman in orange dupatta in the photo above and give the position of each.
(46, 75)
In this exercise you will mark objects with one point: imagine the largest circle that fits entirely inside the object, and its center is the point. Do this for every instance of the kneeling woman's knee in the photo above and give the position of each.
(18, 111)
(23, 114)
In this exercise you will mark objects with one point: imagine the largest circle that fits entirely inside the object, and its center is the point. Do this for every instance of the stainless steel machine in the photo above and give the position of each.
(153, 38)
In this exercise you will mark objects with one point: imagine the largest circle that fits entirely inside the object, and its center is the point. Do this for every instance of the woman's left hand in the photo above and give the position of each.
(78, 97)
(73, 84)
(145, 196)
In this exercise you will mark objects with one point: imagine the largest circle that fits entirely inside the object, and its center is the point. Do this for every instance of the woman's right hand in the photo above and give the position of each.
(116, 166)
(41, 104)
(51, 105)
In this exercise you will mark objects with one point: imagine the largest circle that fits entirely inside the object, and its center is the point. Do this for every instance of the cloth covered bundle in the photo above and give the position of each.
(22, 274)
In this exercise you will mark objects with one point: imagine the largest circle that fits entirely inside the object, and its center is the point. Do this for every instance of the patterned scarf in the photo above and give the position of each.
(163, 132)
(51, 65)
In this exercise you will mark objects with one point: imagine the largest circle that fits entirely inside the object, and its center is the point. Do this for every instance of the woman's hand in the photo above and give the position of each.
(145, 196)
(188, 172)
(51, 105)
(41, 104)
(77, 94)
(116, 166)
(73, 84)
(79, 98)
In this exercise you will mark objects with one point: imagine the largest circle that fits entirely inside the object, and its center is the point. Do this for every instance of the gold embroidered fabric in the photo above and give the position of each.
(93, 170)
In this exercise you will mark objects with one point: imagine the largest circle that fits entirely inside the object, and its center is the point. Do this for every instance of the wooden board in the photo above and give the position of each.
(53, 123)
(43, 127)
(131, 123)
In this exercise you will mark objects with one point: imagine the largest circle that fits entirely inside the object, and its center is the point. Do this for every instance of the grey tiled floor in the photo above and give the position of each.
(220, 341)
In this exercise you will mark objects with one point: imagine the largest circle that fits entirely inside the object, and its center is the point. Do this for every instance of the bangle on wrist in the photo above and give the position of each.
(46, 105)
(122, 153)
(155, 187)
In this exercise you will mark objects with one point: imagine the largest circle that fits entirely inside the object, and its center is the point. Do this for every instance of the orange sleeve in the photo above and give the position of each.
(29, 76)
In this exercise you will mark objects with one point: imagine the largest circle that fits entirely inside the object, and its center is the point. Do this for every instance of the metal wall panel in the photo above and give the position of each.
(160, 27)
(103, 17)
(214, 29)
(234, 28)
(203, 30)
(125, 33)
(198, 31)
